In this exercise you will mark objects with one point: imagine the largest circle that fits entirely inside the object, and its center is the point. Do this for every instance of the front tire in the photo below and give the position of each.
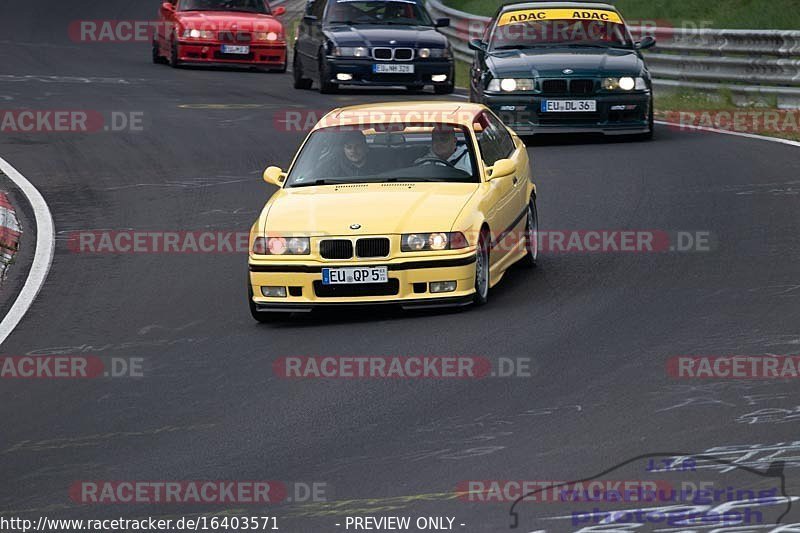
(157, 59)
(173, 55)
(531, 235)
(481, 296)
(325, 86)
(297, 72)
(651, 122)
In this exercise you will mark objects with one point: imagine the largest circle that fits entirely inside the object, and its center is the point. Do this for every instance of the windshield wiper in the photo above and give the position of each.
(326, 181)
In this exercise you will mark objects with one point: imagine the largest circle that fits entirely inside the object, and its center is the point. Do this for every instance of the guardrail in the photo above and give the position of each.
(750, 62)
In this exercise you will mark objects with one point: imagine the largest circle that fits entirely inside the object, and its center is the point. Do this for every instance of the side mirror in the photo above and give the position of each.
(274, 176)
(477, 45)
(310, 19)
(442, 23)
(647, 42)
(167, 7)
(502, 168)
(278, 11)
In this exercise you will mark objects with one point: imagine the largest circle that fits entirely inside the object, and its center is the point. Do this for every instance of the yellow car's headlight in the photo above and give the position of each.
(281, 246)
(420, 242)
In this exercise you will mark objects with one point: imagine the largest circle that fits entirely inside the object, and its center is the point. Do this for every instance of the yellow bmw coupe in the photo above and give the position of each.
(413, 204)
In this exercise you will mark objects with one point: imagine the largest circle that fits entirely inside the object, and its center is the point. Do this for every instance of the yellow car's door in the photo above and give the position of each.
(506, 191)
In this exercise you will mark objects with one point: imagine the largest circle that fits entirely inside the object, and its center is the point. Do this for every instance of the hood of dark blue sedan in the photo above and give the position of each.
(383, 35)
(551, 62)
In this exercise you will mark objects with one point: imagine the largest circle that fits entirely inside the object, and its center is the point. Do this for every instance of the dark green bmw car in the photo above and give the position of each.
(563, 67)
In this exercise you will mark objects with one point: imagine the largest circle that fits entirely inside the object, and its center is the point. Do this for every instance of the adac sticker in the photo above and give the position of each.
(532, 15)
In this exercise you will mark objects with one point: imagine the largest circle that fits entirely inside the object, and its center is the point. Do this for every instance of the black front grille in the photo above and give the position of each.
(581, 86)
(377, 247)
(353, 291)
(336, 249)
(404, 54)
(554, 86)
(567, 86)
(382, 53)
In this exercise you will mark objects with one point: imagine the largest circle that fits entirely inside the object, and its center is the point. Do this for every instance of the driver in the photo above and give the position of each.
(445, 151)
(355, 160)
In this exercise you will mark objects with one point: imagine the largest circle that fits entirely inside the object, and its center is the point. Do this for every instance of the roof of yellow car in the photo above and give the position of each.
(462, 113)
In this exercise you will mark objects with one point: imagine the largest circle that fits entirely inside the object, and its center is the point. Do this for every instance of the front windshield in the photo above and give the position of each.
(377, 12)
(249, 6)
(559, 27)
(383, 153)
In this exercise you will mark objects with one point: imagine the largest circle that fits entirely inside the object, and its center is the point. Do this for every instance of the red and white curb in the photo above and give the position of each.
(42, 256)
(10, 233)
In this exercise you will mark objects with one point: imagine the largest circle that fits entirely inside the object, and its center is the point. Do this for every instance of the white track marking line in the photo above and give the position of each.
(734, 133)
(43, 257)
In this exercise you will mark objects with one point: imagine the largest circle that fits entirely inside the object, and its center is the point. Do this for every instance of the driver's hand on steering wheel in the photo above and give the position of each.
(433, 161)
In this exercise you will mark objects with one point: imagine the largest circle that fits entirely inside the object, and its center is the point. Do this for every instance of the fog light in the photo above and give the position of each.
(439, 78)
(274, 292)
(344, 77)
(443, 286)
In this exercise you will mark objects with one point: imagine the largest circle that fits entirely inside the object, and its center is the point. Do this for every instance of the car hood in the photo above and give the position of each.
(219, 21)
(551, 62)
(380, 209)
(374, 35)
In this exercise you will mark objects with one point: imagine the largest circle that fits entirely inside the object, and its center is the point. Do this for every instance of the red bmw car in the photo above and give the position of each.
(220, 32)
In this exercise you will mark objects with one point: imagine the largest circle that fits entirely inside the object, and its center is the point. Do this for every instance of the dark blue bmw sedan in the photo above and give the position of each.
(372, 43)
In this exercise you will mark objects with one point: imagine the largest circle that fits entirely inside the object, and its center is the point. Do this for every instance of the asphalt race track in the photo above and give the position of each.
(598, 327)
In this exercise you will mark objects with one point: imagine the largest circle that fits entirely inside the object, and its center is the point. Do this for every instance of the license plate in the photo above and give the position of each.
(569, 106)
(235, 49)
(353, 275)
(393, 69)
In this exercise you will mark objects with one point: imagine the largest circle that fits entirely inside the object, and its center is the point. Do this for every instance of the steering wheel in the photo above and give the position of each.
(433, 160)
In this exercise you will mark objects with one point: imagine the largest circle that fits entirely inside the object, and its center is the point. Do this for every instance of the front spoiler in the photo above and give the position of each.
(428, 303)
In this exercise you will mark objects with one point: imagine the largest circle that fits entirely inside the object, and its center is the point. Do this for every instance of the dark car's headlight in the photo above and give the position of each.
(281, 246)
(420, 242)
(351, 51)
(510, 85)
(434, 53)
(625, 83)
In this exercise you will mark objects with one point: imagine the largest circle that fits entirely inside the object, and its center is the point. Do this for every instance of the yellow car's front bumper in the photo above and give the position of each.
(408, 283)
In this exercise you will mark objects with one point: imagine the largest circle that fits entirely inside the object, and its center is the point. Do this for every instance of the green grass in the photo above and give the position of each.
(755, 14)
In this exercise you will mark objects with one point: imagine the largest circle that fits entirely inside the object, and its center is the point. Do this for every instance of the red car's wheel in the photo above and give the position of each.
(173, 54)
(157, 58)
